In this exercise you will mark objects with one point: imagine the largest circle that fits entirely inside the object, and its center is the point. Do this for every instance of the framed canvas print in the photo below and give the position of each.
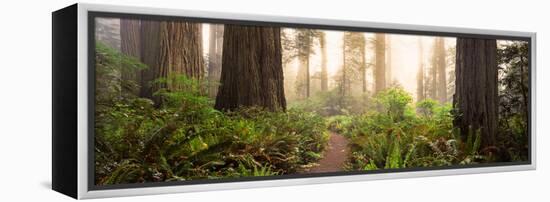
(150, 101)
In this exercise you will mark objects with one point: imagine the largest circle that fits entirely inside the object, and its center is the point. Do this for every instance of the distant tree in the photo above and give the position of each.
(389, 68)
(304, 44)
(215, 46)
(380, 63)
(441, 70)
(476, 97)
(433, 71)
(324, 71)
(420, 92)
(289, 54)
(107, 31)
(252, 71)
(354, 64)
(344, 78)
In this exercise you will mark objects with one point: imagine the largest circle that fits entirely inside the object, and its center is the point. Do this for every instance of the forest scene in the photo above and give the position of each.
(180, 101)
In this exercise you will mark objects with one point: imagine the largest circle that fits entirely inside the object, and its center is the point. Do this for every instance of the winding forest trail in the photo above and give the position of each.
(335, 156)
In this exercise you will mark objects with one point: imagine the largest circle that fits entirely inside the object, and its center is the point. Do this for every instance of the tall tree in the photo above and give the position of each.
(304, 43)
(380, 63)
(130, 46)
(289, 54)
(433, 71)
(215, 46)
(476, 96)
(107, 31)
(130, 37)
(354, 68)
(513, 61)
(324, 71)
(389, 76)
(363, 55)
(171, 47)
(252, 71)
(420, 93)
(343, 85)
(150, 51)
(441, 70)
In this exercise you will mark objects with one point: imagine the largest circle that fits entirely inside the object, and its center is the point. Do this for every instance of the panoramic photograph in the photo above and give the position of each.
(177, 100)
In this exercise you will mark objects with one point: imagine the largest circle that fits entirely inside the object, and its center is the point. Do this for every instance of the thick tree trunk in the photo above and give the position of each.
(441, 70)
(130, 46)
(180, 50)
(171, 48)
(150, 46)
(130, 37)
(324, 71)
(380, 70)
(476, 97)
(420, 93)
(252, 71)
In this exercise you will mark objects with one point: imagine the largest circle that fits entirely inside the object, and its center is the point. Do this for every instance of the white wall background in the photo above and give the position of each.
(25, 99)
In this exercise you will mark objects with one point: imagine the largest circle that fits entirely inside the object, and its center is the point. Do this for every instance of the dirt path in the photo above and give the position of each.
(335, 156)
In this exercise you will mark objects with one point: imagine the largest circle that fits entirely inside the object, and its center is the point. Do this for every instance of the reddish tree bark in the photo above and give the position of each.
(252, 71)
(476, 97)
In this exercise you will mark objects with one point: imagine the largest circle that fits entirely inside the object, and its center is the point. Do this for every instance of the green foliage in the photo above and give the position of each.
(426, 107)
(339, 123)
(185, 138)
(513, 60)
(397, 137)
(182, 137)
(109, 65)
(394, 101)
(199, 142)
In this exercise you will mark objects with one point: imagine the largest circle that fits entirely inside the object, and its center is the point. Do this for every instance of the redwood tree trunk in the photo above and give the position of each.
(130, 37)
(420, 92)
(389, 77)
(130, 46)
(441, 71)
(170, 47)
(363, 65)
(252, 71)
(433, 72)
(180, 50)
(476, 97)
(380, 70)
(150, 46)
(344, 70)
(324, 71)
(308, 77)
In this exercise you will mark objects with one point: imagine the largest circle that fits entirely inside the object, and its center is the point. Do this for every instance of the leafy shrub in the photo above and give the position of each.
(339, 123)
(426, 107)
(393, 101)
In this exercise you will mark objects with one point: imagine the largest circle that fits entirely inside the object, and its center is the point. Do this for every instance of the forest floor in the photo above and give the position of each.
(335, 156)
